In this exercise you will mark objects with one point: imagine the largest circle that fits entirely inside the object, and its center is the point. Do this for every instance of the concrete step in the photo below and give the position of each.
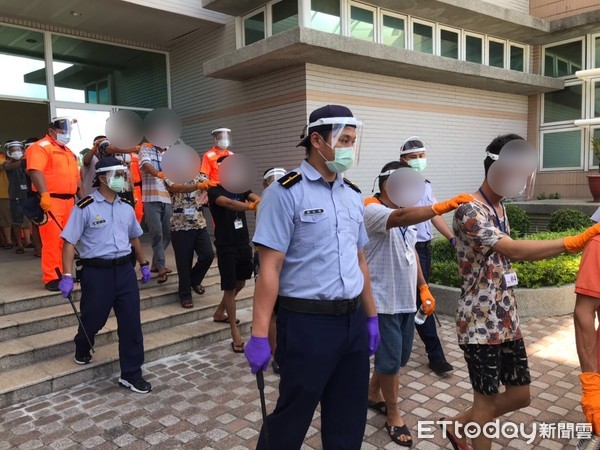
(28, 350)
(61, 372)
(42, 298)
(60, 314)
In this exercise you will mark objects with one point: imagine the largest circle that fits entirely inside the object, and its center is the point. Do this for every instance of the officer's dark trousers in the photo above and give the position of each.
(185, 244)
(103, 288)
(323, 359)
(428, 331)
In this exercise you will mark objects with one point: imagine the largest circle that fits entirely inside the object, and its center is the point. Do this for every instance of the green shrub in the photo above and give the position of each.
(444, 273)
(548, 272)
(442, 250)
(565, 219)
(518, 220)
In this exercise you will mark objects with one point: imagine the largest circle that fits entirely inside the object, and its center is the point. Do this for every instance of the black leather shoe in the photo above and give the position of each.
(276, 368)
(83, 359)
(440, 366)
(52, 286)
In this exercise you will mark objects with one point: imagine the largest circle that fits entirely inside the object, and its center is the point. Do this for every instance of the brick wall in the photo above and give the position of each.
(557, 9)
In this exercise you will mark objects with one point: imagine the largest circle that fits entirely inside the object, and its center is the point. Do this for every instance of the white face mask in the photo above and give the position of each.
(223, 143)
(16, 155)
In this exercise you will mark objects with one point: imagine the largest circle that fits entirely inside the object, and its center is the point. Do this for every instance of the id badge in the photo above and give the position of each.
(410, 257)
(189, 211)
(511, 279)
(23, 187)
(237, 223)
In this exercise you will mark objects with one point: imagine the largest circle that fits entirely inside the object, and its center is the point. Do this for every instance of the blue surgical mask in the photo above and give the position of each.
(63, 138)
(418, 164)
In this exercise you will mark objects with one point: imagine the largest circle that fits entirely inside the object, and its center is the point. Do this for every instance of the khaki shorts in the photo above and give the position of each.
(5, 218)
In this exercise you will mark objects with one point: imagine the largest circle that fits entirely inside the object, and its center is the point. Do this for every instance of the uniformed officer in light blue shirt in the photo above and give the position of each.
(310, 235)
(104, 228)
(413, 154)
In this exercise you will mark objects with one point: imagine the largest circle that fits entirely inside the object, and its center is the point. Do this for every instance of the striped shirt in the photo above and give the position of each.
(153, 188)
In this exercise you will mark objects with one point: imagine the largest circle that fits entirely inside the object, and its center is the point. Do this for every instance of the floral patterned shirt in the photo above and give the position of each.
(187, 209)
(487, 309)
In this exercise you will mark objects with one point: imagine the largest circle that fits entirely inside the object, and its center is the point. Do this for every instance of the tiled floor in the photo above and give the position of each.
(208, 400)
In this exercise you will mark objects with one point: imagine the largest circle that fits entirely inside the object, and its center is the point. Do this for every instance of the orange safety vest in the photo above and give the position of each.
(210, 167)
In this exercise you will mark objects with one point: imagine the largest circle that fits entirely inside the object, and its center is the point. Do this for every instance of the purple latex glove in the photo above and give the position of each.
(373, 330)
(65, 285)
(258, 353)
(145, 271)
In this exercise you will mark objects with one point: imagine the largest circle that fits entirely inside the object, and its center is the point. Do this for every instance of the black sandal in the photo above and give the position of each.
(396, 432)
(237, 348)
(187, 303)
(379, 407)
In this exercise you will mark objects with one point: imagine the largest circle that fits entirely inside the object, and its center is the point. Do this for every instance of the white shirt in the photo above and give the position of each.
(393, 278)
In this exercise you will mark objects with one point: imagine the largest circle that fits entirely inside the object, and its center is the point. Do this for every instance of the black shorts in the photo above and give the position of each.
(235, 264)
(490, 365)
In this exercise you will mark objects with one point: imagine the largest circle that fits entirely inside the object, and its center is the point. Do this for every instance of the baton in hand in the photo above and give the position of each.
(260, 381)
(70, 297)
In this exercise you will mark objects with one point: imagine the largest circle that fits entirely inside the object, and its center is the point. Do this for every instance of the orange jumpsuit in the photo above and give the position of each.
(59, 166)
(210, 167)
(134, 168)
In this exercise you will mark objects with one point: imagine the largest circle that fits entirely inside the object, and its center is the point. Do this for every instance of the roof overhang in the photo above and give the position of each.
(300, 46)
(571, 27)
(138, 21)
(473, 15)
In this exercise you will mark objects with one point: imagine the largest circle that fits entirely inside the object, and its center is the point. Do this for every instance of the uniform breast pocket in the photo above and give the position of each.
(352, 220)
(312, 229)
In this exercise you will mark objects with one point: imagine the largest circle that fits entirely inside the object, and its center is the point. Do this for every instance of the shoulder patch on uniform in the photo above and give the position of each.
(290, 179)
(352, 185)
(210, 154)
(43, 143)
(85, 201)
(126, 200)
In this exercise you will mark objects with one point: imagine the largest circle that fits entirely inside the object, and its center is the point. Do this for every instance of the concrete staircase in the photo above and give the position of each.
(36, 336)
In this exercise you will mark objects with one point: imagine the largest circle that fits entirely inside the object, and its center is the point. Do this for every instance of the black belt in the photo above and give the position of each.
(99, 262)
(327, 307)
(425, 244)
(63, 196)
(139, 183)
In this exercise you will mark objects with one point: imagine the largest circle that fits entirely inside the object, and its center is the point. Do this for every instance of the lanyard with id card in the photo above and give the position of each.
(408, 253)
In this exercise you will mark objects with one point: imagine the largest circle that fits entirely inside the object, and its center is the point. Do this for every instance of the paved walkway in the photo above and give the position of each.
(208, 400)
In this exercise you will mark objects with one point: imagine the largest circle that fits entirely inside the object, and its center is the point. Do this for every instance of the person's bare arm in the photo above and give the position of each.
(234, 205)
(11, 165)
(68, 255)
(182, 188)
(38, 179)
(149, 169)
(266, 289)
(139, 251)
(366, 297)
(253, 197)
(404, 217)
(440, 224)
(87, 158)
(527, 250)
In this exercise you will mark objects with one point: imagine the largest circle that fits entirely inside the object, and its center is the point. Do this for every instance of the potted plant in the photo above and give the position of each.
(594, 180)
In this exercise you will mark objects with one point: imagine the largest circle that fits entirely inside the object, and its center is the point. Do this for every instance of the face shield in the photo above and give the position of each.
(117, 178)
(222, 137)
(513, 172)
(346, 133)
(62, 126)
(14, 150)
(274, 174)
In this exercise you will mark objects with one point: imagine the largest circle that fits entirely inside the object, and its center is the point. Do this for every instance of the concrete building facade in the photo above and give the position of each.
(455, 72)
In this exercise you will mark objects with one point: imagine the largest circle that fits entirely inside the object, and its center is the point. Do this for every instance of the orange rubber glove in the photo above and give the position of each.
(450, 205)
(253, 205)
(45, 201)
(160, 175)
(574, 244)
(425, 295)
(205, 185)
